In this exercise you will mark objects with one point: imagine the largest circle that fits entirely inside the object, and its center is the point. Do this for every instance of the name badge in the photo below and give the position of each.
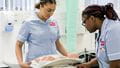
(102, 43)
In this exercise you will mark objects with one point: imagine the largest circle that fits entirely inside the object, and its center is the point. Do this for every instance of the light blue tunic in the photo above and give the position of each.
(40, 36)
(108, 46)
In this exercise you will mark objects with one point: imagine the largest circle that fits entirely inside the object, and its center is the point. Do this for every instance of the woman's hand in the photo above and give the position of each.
(25, 65)
(84, 65)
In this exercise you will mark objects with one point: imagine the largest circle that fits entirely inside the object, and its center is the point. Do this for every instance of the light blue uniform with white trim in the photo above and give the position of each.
(40, 36)
(108, 46)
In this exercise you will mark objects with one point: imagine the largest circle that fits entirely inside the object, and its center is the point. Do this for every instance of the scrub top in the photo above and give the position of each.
(40, 36)
(108, 45)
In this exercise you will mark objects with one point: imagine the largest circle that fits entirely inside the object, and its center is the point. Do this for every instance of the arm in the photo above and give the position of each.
(88, 64)
(60, 48)
(93, 62)
(18, 51)
(113, 47)
(115, 64)
(19, 55)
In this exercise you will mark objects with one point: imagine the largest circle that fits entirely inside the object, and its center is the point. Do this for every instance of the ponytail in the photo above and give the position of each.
(110, 12)
(101, 11)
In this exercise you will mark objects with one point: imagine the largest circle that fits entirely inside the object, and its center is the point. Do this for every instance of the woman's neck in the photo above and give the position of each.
(40, 16)
(99, 24)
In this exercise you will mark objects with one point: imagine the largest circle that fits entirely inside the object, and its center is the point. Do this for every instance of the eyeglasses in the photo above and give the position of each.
(84, 22)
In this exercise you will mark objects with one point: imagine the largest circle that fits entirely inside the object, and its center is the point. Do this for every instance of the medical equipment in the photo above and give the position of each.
(86, 56)
(9, 27)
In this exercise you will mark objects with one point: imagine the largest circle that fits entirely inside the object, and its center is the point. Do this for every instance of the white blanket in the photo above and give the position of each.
(59, 62)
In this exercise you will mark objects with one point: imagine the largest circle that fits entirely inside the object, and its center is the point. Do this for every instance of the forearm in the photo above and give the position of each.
(93, 62)
(115, 64)
(63, 51)
(18, 51)
(60, 48)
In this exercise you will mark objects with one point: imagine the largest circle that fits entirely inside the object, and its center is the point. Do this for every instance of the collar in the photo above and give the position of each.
(35, 17)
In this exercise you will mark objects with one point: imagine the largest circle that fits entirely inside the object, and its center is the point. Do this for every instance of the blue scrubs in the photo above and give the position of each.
(40, 36)
(108, 45)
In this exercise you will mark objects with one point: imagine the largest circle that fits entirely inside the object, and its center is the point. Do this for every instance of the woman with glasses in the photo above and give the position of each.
(104, 19)
(41, 34)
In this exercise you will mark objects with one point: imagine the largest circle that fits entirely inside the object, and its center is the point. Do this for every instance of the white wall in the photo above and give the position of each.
(8, 39)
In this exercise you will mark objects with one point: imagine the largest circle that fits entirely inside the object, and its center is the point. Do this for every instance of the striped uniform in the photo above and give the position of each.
(108, 45)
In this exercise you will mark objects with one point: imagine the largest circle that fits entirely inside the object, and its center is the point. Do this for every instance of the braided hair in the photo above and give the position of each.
(101, 11)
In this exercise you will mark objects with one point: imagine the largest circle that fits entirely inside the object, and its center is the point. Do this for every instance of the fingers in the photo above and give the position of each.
(82, 66)
(75, 64)
(24, 65)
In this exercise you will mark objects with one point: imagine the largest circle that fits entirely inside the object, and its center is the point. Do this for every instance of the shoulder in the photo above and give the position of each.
(32, 18)
(29, 21)
(114, 27)
(26, 22)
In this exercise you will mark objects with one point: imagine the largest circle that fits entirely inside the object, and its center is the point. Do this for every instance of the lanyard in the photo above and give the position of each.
(97, 40)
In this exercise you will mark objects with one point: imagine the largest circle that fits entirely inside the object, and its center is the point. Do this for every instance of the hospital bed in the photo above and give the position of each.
(63, 62)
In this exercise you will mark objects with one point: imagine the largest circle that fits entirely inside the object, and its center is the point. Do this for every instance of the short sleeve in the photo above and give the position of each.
(24, 32)
(113, 43)
(58, 34)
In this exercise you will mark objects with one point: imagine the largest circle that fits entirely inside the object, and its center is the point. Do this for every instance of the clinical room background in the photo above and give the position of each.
(68, 15)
